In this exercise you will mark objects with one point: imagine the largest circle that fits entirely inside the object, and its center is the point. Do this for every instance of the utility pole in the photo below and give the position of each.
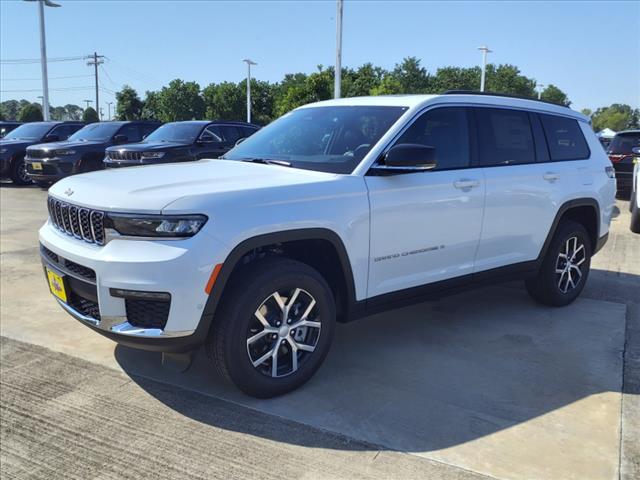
(43, 57)
(249, 63)
(101, 114)
(338, 68)
(484, 49)
(95, 61)
(109, 109)
(540, 88)
(87, 102)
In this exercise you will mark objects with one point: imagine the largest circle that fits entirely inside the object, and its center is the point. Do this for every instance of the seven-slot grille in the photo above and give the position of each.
(83, 223)
(118, 155)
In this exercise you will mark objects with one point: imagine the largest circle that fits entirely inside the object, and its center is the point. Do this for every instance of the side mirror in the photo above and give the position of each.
(120, 139)
(410, 157)
(636, 151)
(206, 140)
(239, 141)
(51, 138)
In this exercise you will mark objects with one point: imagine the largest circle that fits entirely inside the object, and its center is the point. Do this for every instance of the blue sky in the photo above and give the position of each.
(591, 50)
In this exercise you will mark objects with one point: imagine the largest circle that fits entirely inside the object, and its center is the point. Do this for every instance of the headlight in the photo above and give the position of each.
(156, 225)
(152, 154)
(62, 153)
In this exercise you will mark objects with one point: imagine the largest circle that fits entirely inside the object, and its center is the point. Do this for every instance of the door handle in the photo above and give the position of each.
(551, 176)
(465, 183)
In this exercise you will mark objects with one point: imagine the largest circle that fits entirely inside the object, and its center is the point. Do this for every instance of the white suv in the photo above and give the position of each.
(337, 210)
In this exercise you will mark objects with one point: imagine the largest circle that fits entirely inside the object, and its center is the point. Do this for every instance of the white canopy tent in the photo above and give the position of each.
(606, 133)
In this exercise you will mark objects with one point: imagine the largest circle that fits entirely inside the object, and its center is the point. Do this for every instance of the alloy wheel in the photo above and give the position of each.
(22, 172)
(568, 264)
(283, 332)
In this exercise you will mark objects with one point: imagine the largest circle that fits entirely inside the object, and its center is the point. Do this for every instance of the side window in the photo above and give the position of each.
(211, 134)
(504, 137)
(147, 128)
(564, 138)
(230, 133)
(132, 132)
(63, 131)
(446, 129)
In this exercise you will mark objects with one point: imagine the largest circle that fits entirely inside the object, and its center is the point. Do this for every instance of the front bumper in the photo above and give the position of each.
(53, 169)
(178, 267)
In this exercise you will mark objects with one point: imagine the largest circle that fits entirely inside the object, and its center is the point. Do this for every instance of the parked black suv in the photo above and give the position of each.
(83, 151)
(621, 156)
(6, 127)
(14, 145)
(180, 142)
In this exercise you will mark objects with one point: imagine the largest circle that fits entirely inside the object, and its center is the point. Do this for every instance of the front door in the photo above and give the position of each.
(425, 226)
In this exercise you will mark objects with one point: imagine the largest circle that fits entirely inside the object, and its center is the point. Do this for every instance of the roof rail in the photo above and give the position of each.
(496, 94)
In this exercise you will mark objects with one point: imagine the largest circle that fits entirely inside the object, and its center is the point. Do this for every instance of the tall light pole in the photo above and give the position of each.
(43, 56)
(484, 49)
(249, 63)
(338, 70)
(41, 97)
(540, 88)
(109, 107)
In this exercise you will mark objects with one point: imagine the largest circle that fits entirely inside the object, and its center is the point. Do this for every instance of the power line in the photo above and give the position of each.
(61, 89)
(38, 78)
(27, 61)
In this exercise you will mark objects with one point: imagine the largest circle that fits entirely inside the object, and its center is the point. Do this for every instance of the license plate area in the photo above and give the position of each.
(57, 285)
(36, 166)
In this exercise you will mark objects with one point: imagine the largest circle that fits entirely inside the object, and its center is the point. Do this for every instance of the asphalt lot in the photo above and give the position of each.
(485, 383)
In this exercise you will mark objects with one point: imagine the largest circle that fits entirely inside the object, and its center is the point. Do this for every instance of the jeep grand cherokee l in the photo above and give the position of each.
(14, 145)
(180, 142)
(334, 211)
(83, 151)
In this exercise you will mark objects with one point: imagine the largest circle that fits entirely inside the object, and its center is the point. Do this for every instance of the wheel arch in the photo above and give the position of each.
(585, 211)
(299, 237)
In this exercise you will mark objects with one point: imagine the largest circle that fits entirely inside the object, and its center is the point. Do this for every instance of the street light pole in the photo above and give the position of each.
(109, 109)
(540, 87)
(338, 68)
(484, 49)
(43, 56)
(249, 63)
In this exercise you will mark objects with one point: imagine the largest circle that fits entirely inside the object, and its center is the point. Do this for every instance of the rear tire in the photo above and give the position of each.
(565, 267)
(19, 174)
(274, 311)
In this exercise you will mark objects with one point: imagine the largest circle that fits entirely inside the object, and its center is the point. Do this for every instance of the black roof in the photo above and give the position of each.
(225, 122)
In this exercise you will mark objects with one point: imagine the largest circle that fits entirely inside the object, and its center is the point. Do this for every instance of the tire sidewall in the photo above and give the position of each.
(18, 164)
(254, 292)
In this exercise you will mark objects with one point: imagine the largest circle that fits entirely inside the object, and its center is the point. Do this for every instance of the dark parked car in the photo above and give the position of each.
(14, 145)
(180, 142)
(83, 151)
(621, 155)
(6, 127)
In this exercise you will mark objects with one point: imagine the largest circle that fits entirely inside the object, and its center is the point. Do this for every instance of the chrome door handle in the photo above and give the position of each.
(465, 183)
(551, 176)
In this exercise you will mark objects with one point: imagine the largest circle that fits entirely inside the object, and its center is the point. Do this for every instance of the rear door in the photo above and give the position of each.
(523, 187)
(425, 226)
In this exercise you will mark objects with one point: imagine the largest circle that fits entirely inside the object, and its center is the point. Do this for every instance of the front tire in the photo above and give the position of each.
(565, 267)
(274, 327)
(19, 174)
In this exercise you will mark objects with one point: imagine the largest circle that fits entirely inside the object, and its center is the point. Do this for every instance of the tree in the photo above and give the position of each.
(225, 101)
(151, 106)
(586, 112)
(616, 117)
(456, 78)
(129, 105)
(507, 79)
(90, 115)
(363, 81)
(32, 112)
(411, 77)
(300, 89)
(58, 113)
(180, 101)
(10, 109)
(74, 112)
(555, 95)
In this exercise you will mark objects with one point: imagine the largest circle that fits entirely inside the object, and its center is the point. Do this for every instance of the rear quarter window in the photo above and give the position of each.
(564, 138)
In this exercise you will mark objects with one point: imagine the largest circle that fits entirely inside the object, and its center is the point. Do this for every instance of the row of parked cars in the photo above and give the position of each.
(44, 152)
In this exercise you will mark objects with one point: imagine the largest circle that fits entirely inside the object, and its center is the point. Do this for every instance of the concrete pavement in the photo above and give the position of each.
(486, 382)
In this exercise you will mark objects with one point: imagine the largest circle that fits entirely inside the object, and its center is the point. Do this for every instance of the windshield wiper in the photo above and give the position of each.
(267, 161)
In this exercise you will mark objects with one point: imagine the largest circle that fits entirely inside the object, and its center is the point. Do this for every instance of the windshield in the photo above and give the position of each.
(29, 131)
(175, 132)
(100, 132)
(624, 142)
(327, 139)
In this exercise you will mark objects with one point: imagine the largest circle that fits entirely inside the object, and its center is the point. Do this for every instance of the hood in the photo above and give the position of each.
(13, 146)
(145, 146)
(65, 144)
(148, 189)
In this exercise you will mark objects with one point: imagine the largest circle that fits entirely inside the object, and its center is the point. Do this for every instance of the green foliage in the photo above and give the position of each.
(616, 117)
(31, 112)
(90, 115)
(456, 78)
(225, 101)
(555, 95)
(180, 101)
(129, 105)
(507, 79)
(151, 106)
(586, 112)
